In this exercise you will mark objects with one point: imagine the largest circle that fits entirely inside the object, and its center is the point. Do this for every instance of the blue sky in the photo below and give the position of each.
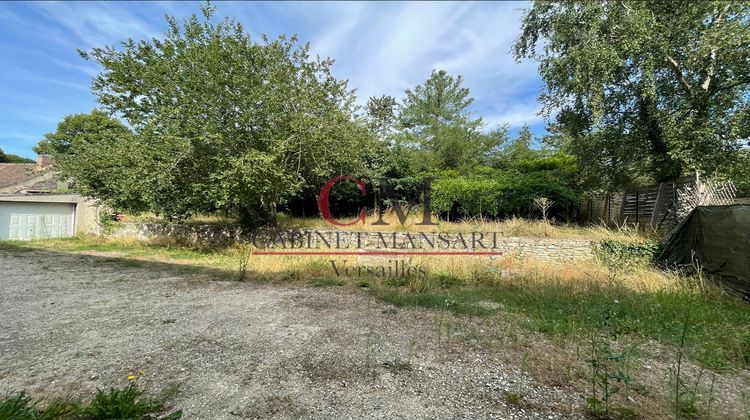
(382, 48)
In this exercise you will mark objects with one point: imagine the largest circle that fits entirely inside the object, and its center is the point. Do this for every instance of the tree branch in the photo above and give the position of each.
(712, 55)
(710, 70)
(738, 82)
(680, 76)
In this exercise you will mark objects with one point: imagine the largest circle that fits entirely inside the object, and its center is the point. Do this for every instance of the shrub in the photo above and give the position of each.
(624, 253)
(469, 196)
(496, 193)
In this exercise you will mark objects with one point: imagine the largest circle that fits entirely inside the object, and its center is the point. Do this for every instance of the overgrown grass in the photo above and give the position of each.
(508, 227)
(117, 403)
(719, 336)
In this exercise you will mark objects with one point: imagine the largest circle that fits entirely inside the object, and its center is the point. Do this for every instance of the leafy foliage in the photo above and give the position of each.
(80, 130)
(381, 115)
(117, 403)
(103, 156)
(438, 127)
(497, 193)
(519, 175)
(219, 122)
(643, 89)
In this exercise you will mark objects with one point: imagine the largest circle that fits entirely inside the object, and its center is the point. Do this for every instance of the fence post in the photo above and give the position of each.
(608, 209)
(655, 213)
(637, 207)
(674, 200)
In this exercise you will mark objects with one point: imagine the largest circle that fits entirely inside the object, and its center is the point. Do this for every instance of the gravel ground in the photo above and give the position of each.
(73, 323)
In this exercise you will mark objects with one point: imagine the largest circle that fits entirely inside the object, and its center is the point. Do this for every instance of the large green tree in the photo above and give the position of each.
(75, 132)
(435, 120)
(222, 121)
(381, 115)
(520, 147)
(104, 158)
(654, 88)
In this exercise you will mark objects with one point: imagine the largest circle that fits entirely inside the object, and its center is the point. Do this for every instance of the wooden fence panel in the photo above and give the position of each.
(655, 205)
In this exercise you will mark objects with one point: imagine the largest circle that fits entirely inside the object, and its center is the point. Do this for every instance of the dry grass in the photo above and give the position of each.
(467, 270)
(509, 227)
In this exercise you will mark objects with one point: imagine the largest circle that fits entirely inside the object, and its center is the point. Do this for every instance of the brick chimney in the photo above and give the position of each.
(44, 162)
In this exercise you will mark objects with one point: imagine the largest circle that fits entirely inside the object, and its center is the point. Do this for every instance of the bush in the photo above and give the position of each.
(627, 253)
(498, 193)
(466, 196)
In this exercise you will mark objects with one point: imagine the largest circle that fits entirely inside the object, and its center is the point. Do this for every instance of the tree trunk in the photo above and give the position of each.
(663, 167)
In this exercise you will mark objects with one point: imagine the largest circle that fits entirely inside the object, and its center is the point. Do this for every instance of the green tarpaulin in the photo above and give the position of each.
(718, 239)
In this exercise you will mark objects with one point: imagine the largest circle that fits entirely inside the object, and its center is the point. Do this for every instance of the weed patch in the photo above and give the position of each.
(718, 336)
(117, 403)
(397, 365)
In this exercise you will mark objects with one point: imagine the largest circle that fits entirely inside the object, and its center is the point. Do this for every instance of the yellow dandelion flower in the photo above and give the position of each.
(131, 377)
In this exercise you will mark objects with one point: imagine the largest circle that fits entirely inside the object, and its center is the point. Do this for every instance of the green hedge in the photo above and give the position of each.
(500, 193)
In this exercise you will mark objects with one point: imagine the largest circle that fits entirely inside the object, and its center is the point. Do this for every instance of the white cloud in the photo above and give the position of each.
(515, 115)
(387, 48)
(98, 24)
(381, 47)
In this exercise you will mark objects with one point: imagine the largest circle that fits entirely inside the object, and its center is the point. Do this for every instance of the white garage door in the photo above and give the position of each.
(27, 220)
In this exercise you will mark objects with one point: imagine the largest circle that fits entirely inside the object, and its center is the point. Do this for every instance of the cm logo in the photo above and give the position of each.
(386, 191)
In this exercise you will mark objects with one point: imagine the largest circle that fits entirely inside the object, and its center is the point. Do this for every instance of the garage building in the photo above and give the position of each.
(32, 208)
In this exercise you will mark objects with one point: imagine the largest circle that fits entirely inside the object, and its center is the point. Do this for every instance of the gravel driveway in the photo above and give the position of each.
(71, 323)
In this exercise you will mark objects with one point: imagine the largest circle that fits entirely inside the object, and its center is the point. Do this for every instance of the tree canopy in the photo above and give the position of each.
(209, 118)
(104, 158)
(219, 120)
(643, 88)
(75, 132)
(436, 120)
(381, 115)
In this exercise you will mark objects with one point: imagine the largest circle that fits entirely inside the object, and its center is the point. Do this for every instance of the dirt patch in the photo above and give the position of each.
(74, 323)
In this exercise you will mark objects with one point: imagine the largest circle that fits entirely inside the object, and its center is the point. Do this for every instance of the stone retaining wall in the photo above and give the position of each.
(549, 248)
(214, 235)
(190, 235)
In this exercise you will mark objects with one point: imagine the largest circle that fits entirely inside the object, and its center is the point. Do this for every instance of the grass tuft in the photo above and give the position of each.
(397, 366)
(117, 403)
(514, 399)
